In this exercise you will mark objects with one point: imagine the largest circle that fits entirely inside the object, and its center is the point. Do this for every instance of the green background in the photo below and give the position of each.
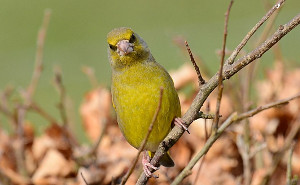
(77, 37)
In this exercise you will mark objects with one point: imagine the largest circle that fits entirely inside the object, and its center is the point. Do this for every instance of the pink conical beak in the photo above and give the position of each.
(124, 47)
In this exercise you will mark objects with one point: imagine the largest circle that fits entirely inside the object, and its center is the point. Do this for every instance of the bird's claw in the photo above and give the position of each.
(147, 165)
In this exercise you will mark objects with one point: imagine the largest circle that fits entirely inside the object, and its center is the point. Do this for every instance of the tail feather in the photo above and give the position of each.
(166, 160)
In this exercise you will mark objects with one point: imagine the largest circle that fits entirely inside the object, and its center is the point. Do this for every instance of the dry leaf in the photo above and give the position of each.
(53, 164)
(95, 110)
(41, 145)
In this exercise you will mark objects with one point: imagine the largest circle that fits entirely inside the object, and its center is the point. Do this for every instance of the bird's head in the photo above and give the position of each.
(126, 48)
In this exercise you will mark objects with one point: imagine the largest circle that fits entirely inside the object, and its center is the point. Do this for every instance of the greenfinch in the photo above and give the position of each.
(136, 82)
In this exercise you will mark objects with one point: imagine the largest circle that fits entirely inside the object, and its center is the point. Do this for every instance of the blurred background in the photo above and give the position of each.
(76, 37)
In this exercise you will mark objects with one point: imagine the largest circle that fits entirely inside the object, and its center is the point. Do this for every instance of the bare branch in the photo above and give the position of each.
(180, 42)
(232, 119)
(209, 86)
(201, 81)
(28, 94)
(3, 103)
(19, 150)
(84, 179)
(258, 149)
(38, 58)
(35, 107)
(252, 31)
(221, 86)
(289, 165)
(206, 116)
(5, 111)
(62, 108)
(244, 149)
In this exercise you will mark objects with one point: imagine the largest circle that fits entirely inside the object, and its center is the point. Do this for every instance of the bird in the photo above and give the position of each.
(136, 79)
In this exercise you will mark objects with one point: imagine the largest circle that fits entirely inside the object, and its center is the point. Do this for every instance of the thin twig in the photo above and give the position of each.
(180, 42)
(206, 116)
(244, 144)
(5, 111)
(257, 149)
(38, 58)
(68, 136)
(35, 107)
(61, 89)
(4, 105)
(220, 78)
(251, 73)
(84, 179)
(289, 165)
(129, 172)
(209, 86)
(94, 148)
(201, 81)
(244, 150)
(232, 119)
(28, 95)
(252, 31)
(20, 147)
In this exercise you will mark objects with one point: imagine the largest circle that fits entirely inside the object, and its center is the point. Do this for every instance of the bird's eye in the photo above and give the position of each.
(112, 47)
(132, 38)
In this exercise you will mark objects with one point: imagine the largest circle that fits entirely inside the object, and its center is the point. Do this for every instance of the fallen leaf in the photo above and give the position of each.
(53, 164)
(95, 110)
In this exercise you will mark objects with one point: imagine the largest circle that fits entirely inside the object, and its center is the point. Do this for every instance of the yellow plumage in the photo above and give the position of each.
(136, 82)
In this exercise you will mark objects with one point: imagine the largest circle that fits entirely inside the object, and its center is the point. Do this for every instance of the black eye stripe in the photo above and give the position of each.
(112, 47)
(132, 38)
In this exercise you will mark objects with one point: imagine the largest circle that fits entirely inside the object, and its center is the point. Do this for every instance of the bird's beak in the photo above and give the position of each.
(124, 47)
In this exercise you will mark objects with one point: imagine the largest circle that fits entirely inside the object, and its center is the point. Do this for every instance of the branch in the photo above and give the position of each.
(180, 42)
(4, 105)
(252, 31)
(201, 81)
(38, 58)
(6, 112)
(221, 86)
(289, 165)
(93, 150)
(35, 107)
(243, 146)
(202, 115)
(129, 172)
(84, 179)
(62, 92)
(28, 94)
(232, 119)
(206, 89)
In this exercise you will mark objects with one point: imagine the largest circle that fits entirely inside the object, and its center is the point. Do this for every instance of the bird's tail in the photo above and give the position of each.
(166, 160)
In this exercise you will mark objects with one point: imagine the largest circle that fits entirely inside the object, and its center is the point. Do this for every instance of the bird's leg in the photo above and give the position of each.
(147, 165)
(179, 122)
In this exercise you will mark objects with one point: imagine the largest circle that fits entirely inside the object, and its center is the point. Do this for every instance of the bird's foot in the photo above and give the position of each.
(147, 165)
(179, 122)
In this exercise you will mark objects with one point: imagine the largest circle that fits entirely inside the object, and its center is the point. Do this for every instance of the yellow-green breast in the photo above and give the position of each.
(136, 93)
